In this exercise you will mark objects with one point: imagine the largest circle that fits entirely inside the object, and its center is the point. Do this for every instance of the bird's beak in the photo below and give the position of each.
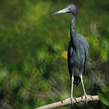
(61, 11)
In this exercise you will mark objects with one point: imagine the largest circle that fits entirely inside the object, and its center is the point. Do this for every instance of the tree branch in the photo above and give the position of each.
(68, 101)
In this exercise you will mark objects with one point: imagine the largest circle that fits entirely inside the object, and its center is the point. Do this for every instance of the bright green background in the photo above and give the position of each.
(33, 71)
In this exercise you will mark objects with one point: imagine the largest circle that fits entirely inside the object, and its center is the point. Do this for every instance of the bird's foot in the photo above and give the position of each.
(74, 99)
(86, 98)
(82, 98)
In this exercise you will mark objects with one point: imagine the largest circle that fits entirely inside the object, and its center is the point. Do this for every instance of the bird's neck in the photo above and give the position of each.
(73, 22)
(73, 32)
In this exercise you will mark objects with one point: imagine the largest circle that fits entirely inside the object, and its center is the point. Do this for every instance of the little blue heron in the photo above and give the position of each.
(77, 50)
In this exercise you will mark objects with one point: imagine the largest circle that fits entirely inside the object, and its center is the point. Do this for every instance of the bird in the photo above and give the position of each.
(77, 51)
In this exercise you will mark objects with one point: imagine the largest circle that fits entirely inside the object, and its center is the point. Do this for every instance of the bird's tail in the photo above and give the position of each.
(77, 80)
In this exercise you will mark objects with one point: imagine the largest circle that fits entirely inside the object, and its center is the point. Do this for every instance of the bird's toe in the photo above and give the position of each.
(86, 100)
(74, 99)
(71, 99)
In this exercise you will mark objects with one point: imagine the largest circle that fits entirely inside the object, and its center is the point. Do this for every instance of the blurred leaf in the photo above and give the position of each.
(104, 50)
(87, 38)
(105, 89)
(104, 97)
(64, 54)
(3, 74)
(42, 53)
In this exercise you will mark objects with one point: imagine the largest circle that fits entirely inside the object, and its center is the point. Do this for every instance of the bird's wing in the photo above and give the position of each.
(86, 57)
(70, 58)
(83, 40)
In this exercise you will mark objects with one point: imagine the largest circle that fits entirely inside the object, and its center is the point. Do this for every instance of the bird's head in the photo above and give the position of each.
(68, 9)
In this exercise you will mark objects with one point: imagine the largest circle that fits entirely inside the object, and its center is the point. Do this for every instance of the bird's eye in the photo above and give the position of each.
(68, 8)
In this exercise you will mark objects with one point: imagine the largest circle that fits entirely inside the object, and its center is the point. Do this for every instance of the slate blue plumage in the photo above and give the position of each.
(77, 56)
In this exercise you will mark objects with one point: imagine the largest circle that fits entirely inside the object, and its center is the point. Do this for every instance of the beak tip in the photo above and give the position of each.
(53, 14)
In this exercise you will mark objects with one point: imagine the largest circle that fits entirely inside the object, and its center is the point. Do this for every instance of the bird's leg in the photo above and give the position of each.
(84, 89)
(83, 85)
(72, 79)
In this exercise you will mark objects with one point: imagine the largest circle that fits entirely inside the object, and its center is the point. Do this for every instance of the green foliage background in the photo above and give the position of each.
(33, 71)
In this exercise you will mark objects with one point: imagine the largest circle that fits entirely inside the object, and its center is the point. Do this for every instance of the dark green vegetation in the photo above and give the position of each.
(33, 71)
